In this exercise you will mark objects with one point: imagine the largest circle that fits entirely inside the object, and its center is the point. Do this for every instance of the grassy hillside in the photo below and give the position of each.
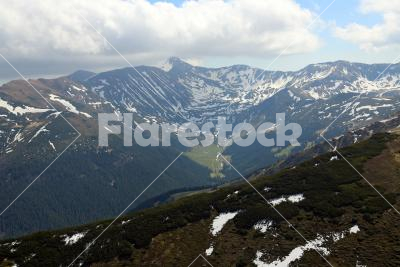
(322, 198)
(208, 157)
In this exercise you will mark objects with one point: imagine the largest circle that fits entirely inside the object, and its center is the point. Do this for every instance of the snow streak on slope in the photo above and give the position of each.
(221, 220)
(298, 252)
(21, 110)
(179, 92)
(68, 105)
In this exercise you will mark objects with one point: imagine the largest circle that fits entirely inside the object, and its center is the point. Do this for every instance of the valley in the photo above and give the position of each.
(35, 130)
(340, 218)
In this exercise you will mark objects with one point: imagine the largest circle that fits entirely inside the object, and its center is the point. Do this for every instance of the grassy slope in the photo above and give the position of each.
(207, 157)
(336, 197)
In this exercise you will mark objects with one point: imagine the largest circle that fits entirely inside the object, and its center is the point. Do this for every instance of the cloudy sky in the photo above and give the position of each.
(48, 38)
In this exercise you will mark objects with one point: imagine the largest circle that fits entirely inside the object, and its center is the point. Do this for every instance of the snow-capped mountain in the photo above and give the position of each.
(180, 92)
(322, 198)
(36, 126)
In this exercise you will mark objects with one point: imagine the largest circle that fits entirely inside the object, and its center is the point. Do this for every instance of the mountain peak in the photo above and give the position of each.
(81, 75)
(174, 62)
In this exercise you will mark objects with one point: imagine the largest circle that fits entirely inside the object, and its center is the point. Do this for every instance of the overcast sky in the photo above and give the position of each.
(48, 38)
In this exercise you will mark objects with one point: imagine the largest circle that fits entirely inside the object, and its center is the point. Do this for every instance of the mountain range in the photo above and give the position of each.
(320, 212)
(88, 182)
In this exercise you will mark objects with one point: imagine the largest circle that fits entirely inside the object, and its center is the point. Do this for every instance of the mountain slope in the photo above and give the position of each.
(312, 97)
(339, 214)
(199, 94)
(33, 131)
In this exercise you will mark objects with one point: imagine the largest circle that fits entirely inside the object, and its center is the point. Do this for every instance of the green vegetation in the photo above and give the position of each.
(283, 152)
(335, 197)
(87, 183)
(208, 157)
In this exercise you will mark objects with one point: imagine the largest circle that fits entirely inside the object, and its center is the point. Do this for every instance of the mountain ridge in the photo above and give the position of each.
(336, 211)
(32, 133)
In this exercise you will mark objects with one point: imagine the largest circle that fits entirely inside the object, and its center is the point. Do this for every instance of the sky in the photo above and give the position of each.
(52, 38)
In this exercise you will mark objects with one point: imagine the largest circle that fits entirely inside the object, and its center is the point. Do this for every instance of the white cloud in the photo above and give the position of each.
(379, 36)
(48, 28)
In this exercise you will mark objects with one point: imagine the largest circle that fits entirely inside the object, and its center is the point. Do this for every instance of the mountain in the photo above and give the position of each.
(332, 212)
(88, 182)
(346, 139)
(313, 97)
(201, 94)
(81, 75)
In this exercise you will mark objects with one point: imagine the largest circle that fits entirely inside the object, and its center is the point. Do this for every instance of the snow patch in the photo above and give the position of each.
(210, 250)
(277, 201)
(354, 230)
(52, 145)
(78, 89)
(296, 198)
(21, 110)
(41, 130)
(167, 66)
(70, 240)
(18, 137)
(68, 105)
(267, 189)
(64, 102)
(334, 158)
(298, 252)
(293, 198)
(263, 226)
(219, 221)
(125, 222)
(85, 114)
